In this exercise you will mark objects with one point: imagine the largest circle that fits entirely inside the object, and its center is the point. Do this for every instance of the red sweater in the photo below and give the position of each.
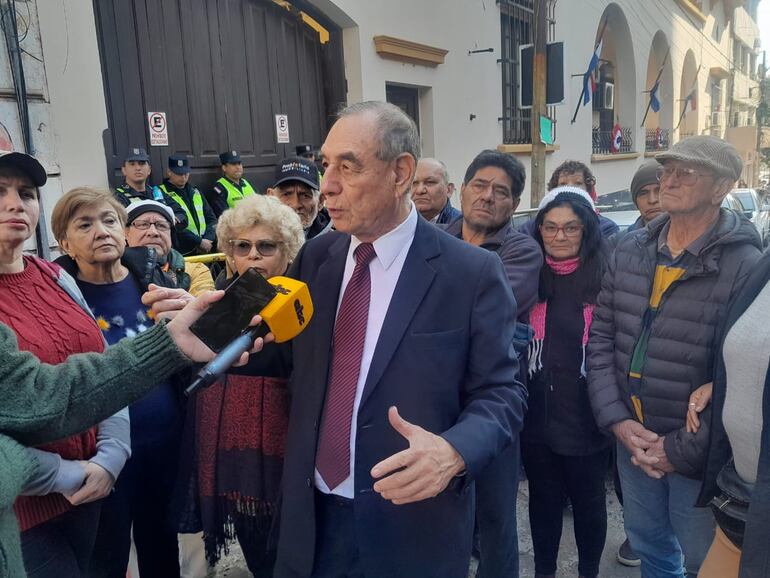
(49, 324)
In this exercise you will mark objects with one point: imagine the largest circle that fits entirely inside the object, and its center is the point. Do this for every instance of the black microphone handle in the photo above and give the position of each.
(215, 368)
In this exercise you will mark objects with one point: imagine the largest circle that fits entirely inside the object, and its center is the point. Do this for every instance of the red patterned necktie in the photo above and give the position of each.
(333, 456)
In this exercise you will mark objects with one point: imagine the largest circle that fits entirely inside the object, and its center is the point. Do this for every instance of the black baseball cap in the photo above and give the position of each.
(304, 149)
(137, 154)
(297, 169)
(230, 157)
(179, 164)
(27, 164)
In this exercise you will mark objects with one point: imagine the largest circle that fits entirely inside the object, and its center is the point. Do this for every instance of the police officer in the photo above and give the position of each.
(200, 234)
(231, 188)
(136, 170)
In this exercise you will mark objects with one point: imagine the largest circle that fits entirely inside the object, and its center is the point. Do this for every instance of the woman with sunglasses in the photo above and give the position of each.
(89, 225)
(239, 425)
(563, 451)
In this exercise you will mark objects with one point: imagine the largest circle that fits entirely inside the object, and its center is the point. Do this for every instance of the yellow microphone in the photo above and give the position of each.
(288, 311)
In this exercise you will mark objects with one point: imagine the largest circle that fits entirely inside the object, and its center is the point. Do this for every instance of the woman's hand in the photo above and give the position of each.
(97, 485)
(189, 344)
(699, 399)
(165, 302)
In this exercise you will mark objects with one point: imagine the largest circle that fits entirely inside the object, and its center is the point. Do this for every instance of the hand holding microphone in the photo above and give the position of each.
(283, 303)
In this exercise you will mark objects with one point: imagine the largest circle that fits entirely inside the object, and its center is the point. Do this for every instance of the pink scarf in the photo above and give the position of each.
(538, 313)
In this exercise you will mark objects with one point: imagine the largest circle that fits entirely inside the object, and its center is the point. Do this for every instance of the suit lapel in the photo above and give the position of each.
(416, 278)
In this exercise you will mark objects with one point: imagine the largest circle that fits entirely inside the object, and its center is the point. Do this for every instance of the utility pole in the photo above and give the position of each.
(760, 118)
(539, 75)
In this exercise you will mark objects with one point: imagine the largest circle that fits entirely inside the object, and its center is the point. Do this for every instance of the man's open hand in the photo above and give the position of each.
(423, 471)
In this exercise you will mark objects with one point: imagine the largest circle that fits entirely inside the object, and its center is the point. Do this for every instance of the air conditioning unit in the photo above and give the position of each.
(608, 98)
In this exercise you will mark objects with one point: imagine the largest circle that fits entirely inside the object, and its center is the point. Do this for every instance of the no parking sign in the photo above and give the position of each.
(158, 129)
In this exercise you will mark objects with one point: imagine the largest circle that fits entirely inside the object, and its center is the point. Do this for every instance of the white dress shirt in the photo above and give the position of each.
(384, 269)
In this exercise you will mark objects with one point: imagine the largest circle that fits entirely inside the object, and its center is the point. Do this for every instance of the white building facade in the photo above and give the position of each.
(454, 65)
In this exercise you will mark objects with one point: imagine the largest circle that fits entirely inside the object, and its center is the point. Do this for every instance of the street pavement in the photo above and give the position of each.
(233, 565)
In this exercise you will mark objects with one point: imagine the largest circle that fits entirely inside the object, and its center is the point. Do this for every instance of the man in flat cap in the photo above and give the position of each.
(199, 235)
(231, 187)
(666, 290)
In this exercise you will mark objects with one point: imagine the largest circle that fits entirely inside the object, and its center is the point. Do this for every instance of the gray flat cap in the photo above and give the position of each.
(708, 151)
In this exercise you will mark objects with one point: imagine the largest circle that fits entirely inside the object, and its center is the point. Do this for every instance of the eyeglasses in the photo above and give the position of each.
(160, 226)
(570, 231)
(242, 247)
(684, 176)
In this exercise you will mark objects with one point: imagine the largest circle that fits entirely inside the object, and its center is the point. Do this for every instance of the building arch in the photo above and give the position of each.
(688, 107)
(659, 125)
(614, 101)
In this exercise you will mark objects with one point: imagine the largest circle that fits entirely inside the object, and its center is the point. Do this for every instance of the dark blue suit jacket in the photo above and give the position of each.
(445, 358)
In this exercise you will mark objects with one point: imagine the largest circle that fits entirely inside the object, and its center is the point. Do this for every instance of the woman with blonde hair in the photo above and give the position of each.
(240, 423)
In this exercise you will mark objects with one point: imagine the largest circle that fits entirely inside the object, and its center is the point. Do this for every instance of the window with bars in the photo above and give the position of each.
(517, 24)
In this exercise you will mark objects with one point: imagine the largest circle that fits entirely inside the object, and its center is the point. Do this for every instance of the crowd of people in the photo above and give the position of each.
(450, 355)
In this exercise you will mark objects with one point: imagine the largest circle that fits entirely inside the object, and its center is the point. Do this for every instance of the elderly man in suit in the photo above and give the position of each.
(405, 384)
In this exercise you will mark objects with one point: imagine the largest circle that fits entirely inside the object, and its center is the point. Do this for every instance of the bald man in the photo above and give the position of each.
(431, 192)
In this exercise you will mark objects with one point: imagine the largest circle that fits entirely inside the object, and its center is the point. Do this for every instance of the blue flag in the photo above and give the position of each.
(654, 99)
(589, 83)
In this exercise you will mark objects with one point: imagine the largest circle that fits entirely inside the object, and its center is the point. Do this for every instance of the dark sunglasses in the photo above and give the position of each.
(242, 247)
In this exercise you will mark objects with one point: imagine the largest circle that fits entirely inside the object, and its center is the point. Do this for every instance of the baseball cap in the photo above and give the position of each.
(296, 169)
(179, 164)
(230, 157)
(27, 164)
(137, 154)
(707, 151)
(304, 149)
(149, 206)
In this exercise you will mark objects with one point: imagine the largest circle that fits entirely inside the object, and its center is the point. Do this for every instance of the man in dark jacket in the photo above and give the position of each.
(199, 236)
(432, 192)
(652, 344)
(489, 195)
(296, 186)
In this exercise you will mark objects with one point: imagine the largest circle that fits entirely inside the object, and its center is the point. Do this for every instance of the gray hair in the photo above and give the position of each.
(396, 132)
(440, 163)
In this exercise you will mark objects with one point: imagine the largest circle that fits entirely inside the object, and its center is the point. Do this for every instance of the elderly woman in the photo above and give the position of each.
(58, 512)
(149, 225)
(241, 422)
(43, 402)
(89, 225)
(564, 452)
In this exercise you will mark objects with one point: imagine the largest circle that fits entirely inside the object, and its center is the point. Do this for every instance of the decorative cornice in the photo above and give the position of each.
(613, 157)
(692, 9)
(524, 149)
(408, 51)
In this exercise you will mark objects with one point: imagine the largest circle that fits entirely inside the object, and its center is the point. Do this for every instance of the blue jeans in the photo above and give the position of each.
(663, 525)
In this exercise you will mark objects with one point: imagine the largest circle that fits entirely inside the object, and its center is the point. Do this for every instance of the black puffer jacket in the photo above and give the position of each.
(680, 353)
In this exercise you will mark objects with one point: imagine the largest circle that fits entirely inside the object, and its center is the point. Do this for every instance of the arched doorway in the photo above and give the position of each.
(689, 89)
(221, 70)
(658, 125)
(614, 102)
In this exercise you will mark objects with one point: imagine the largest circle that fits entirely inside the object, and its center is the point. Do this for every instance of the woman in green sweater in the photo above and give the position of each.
(42, 403)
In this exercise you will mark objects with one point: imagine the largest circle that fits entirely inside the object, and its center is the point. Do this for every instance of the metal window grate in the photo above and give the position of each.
(517, 29)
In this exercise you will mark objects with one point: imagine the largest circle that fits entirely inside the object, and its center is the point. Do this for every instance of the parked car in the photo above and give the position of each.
(756, 211)
(624, 218)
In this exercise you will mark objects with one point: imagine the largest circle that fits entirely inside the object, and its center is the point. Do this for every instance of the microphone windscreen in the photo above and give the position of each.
(290, 310)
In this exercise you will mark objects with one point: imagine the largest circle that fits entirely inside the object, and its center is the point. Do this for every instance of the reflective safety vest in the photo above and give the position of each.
(200, 228)
(233, 194)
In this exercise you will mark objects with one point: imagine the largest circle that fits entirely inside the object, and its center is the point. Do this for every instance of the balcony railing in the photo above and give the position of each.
(602, 141)
(657, 139)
